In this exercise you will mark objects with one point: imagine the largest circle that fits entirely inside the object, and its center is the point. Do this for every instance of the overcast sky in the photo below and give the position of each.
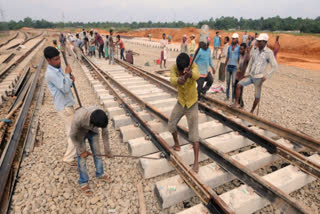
(160, 10)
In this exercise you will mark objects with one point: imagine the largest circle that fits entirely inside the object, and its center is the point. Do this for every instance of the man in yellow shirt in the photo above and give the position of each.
(186, 82)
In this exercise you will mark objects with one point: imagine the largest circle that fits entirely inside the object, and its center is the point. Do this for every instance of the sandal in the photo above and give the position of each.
(85, 189)
(176, 148)
(106, 179)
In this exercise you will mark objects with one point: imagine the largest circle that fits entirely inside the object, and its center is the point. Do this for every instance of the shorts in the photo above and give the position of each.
(92, 48)
(192, 118)
(257, 84)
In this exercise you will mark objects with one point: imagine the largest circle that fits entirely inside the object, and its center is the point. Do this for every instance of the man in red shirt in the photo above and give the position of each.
(100, 41)
(120, 43)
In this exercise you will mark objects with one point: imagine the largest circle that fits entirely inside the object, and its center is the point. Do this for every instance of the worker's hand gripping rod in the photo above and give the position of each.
(73, 85)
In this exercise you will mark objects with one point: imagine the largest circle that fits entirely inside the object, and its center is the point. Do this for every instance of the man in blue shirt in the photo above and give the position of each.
(232, 61)
(203, 60)
(216, 45)
(59, 84)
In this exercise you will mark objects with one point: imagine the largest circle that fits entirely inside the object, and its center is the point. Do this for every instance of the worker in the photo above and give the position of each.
(216, 45)
(164, 50)
(82, 34)
(245, 37)
(55, 44)
(59, 84)
(78, 44)
(256, 72)
(192, 47)
(106, 47)
(98, 39)
(62, 40)
(276, 47)
(92, 49)
(241, 69)
(111, 47)
(185, 81)
(203, 60)
(121, 45)
(231, 64)
(222, 57)
(149, 35)
(85, 126)
(169, 39)
(86, 42)
(184, 44)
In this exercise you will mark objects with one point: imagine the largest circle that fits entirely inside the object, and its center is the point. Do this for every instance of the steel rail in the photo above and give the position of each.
(8, 157)
(262, 187)
(25, 41)
(291, 135)
(272, 146)
(205, 193)
(18, 61)
(3, 44)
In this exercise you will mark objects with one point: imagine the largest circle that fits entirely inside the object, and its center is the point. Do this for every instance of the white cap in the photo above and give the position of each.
(263, 37)
(235, 36)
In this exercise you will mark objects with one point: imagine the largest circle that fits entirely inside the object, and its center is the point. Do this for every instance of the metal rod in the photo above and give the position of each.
(73, 85)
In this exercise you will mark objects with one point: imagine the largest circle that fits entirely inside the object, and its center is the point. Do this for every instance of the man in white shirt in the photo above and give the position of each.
(256, 72)
(164, 50)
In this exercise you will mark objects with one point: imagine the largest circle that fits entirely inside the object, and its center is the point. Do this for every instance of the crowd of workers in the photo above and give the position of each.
(87, 42)
(243, 65)
(233, 61)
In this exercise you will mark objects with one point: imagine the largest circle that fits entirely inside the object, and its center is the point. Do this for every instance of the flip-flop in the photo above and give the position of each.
(85, 189)
(176, 148)
(106, 179)
(72, 163)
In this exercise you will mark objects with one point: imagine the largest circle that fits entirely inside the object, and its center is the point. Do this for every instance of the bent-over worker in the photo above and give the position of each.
(85, 125)
(186, 82)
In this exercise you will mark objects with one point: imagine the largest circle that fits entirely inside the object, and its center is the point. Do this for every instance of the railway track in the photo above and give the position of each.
(12, 75)
(16, 133)
(9, 40)
(148, 100)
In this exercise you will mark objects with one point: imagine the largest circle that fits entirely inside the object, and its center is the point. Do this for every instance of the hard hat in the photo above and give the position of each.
(263, 37)
(235, 36)
(192, 35)
(185, 35)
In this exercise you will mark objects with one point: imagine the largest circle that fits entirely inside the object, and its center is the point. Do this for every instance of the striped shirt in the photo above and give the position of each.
(257, 67)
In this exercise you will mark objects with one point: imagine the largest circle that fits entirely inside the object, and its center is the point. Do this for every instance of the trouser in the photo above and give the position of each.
(231, 77)
(101, 53)
(240, 102)
(121, 54)
(111, 55)
(192, 119)
(215, 52)
(222, 73)
(106, 52)
(200, 82)
(78, 52)
(66, 116)
(93, 139)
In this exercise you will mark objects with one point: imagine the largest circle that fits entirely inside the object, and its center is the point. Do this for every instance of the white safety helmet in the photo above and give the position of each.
(235, 36)
(263, 37)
